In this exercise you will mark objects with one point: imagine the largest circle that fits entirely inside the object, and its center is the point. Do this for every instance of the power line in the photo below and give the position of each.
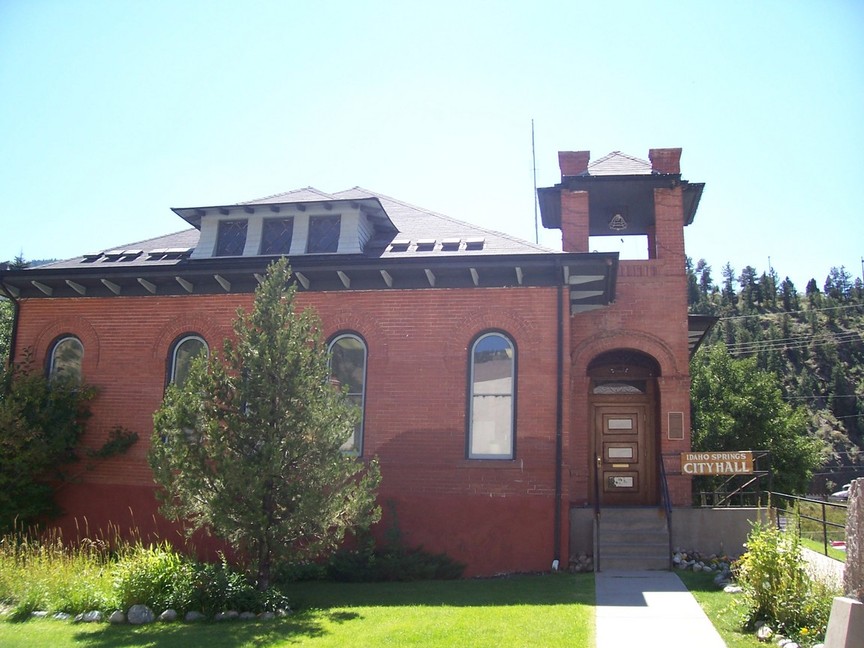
(809, 310)
(794, 342)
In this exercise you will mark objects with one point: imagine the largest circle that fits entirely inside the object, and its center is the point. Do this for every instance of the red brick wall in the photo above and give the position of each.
(495, 515)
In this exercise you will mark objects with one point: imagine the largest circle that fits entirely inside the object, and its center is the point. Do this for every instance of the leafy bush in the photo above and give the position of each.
(42, 422)
(156, 576)
(292, 572)
(217, 588)
(392, 564)
(777, 588)
(161, 578)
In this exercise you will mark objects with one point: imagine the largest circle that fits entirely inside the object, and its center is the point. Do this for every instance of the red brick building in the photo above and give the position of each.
(507, 389)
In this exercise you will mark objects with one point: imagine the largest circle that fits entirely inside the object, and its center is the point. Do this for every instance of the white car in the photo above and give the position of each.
(843, 493)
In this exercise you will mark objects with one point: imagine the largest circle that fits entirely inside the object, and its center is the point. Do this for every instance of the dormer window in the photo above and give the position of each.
(231, 238)
(323, 234)
(276, 235)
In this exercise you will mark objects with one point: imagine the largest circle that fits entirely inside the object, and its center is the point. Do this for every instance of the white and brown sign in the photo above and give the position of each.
(717, 463)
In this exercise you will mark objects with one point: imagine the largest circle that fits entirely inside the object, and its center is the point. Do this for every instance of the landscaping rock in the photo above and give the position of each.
(140, 614)
(39, 614)
(732, 589)
(764, 633)
(168, 615)
(246, 616)
(94, 616)
(581, 564)
(229, 615)
(266, 616)
(283, 612)
(117, 617)
(193, 616)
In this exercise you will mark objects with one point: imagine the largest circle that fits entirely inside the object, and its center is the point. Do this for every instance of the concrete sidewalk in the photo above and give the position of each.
(639, 608)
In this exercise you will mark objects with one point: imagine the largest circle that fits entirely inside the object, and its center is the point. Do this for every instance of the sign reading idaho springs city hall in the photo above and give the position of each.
(717, 463)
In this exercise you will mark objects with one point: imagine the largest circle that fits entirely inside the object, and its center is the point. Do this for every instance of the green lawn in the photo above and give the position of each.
(719, 606)
(819, 547)
(550, 610)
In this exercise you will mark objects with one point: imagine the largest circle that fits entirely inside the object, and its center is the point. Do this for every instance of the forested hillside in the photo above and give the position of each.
(812, 340)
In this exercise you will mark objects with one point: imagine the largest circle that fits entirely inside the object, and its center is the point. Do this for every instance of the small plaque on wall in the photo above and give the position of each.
(676, 426)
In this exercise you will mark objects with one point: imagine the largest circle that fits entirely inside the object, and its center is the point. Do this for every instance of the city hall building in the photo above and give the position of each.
(513, 394)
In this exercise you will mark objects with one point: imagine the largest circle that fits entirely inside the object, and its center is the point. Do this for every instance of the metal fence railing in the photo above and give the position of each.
(815, 517)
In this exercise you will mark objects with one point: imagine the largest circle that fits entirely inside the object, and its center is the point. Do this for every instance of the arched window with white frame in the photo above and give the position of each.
(348, 372)
(66, 359)
(492, 397)
(183, 352)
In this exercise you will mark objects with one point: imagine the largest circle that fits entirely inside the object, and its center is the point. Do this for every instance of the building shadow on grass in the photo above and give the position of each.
(546, 589)
(300, 625)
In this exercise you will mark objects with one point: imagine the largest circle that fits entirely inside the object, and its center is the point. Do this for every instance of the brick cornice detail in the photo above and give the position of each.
(583, 353)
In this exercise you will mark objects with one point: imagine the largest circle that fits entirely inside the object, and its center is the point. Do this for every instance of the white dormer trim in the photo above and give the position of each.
(356, 228)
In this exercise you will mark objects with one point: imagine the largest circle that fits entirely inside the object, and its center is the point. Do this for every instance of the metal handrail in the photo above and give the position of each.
(667, 505)
(597, 514)
(823, 520)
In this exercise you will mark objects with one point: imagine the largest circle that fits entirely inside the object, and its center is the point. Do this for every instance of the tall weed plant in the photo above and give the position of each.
(46, 574)
(776, 587)
(39, 572)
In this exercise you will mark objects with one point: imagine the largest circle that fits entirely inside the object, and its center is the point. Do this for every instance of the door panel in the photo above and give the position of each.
(624, 449)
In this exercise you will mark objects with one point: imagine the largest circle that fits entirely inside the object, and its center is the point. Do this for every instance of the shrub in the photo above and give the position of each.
(44, 574)
(42, 422)
(394, 561)
(161, 578)
(777, 588)
(217, 588)
(156, 576)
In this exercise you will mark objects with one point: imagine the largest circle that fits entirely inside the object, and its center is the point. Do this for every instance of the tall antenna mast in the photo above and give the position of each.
(534, 164)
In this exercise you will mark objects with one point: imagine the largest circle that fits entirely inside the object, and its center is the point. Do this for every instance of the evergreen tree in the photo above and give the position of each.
(706, 286)
(250, 445)
(858, 290)
(838, 284)
(789, 296)
(727, 294)
(692, 283)
(749, 288)
(814, 297)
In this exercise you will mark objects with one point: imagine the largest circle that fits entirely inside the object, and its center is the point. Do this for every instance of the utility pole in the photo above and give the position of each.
(534, 164)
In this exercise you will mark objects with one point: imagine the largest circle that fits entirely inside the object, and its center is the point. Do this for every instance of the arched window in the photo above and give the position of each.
(66, 357)
(348, 370)
(492, 398)
(185, 349)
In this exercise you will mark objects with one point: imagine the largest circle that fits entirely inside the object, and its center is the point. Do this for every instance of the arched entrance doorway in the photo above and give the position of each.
(623, 412)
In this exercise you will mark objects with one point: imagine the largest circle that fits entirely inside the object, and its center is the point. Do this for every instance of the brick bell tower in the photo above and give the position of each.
(629, 383)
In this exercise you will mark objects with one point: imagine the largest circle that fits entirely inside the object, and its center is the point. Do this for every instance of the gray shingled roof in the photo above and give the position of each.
(414, 223)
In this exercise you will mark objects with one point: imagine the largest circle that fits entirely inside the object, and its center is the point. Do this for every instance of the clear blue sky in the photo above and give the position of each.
(113, 111)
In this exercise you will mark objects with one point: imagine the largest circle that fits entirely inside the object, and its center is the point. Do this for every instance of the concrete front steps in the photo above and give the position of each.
(632, 539)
